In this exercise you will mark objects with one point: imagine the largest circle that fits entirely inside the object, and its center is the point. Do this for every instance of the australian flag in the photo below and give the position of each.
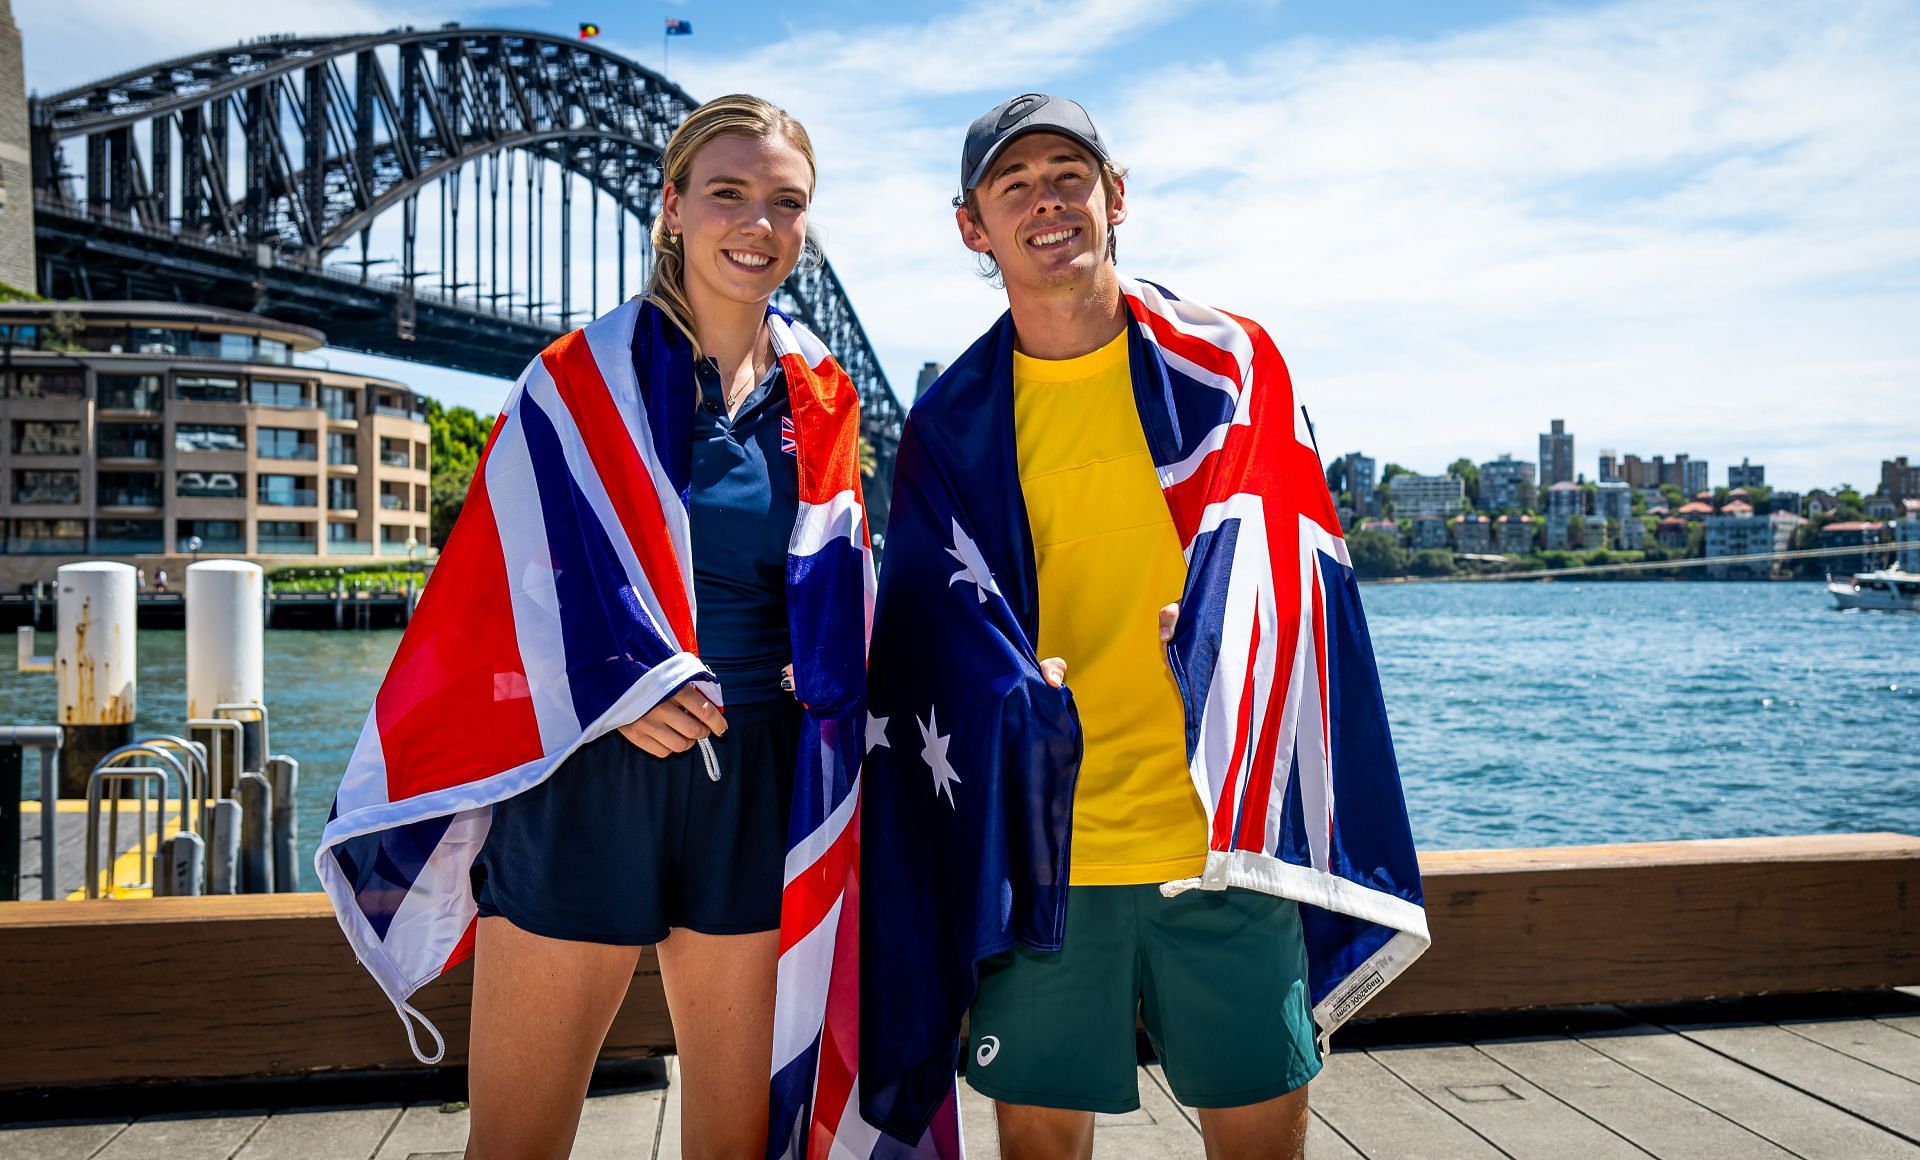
(972, 757)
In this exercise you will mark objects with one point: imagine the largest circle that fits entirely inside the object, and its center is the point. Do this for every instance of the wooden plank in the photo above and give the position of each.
(322, 1133)
(1613, 924)
(1863, 1089)
(1791, 1119)
(1519, 1118)
(58, 1141)
(618, 1125)
(1867, 1040)
(1629, 1104)
(179, 988)
(195, 1137)
(1383, 1117)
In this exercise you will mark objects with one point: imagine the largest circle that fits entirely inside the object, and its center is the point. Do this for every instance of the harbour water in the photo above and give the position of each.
(1531, 714)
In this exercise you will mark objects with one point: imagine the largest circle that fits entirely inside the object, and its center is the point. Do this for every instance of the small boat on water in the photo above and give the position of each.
(1888, 590)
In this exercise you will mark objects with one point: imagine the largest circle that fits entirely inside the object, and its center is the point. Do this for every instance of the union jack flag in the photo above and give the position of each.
(787, 442)
(563, 608)
(970, 785)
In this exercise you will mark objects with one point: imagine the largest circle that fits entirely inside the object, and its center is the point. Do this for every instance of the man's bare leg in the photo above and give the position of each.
(1275, 1128)
(1030, 1133)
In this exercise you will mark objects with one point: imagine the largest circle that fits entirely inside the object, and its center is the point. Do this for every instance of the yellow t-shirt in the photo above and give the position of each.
(1109, 560)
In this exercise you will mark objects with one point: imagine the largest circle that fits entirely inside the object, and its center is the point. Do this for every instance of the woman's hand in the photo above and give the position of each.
(676, 724)
(1054, 670)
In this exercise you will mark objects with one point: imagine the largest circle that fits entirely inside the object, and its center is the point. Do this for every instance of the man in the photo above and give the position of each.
(1105, 449)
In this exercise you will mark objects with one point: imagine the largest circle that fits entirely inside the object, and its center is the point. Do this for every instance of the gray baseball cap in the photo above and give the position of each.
(1026, 113)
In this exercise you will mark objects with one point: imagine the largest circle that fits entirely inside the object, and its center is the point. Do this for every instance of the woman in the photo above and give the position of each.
(636, 811)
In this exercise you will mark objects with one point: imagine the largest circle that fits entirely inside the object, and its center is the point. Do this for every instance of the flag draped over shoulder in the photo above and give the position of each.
(972, 757)
(562, 608)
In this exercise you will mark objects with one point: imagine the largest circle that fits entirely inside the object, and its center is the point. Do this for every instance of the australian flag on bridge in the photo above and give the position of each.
(972, 757)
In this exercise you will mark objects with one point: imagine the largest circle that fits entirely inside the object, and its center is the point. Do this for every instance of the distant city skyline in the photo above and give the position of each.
(1457, 221)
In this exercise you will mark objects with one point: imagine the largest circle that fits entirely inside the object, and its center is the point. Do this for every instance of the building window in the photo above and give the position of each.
(206, 389)
(340, 402)
(419, 456)
(286, 491)
(393, 497)
(127, 440)
(45, 437)
(272, 350)
(210, 484)
(419, 497)
(389, 403)
(342, 448)
(286, 537)
(127, 489)
(47, 537)
(342, 494)
(215, 536)
(342, 542)
(129, 392)
(209, 437)
(279, 393)
(62, 384)
(393, 453)
(46, 487)
(286, 443)
(128, 536)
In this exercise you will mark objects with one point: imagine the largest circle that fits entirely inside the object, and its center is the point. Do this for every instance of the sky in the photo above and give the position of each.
(1679, 226)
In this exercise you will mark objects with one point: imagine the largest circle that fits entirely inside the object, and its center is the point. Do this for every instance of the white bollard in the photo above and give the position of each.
(225, 646)
(94, 665)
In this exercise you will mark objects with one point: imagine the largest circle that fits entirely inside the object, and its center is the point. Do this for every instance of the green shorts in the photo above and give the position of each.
(1219, 977)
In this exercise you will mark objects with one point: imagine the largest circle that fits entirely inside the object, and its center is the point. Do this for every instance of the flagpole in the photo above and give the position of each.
(666, 52)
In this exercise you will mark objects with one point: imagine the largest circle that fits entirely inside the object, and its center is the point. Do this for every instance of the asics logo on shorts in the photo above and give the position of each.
(989, 1047)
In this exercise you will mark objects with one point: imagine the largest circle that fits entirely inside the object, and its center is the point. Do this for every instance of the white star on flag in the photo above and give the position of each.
(933, 751)
(877, 733)
(974, 570)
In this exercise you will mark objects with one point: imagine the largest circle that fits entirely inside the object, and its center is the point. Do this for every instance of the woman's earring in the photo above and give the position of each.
(673, 239)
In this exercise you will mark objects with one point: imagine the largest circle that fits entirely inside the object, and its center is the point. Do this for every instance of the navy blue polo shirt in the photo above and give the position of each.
(745, 496)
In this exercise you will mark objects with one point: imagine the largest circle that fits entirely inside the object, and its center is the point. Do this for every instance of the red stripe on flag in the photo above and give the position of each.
(826, 427)
(1258, 799)
(1197, 351)
(840, 1034)
(1226, 813)
(450, 664)
(629, 483)
(461, 949)
(809, 897)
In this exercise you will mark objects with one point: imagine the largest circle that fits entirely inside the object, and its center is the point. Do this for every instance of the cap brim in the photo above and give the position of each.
(980, 170)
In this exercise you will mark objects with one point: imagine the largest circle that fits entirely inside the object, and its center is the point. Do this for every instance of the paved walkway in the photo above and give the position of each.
(1834, 1079)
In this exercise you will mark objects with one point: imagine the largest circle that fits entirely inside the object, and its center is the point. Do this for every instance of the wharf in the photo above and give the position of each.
(1823, 1078)
(360, 608)
(127, 860)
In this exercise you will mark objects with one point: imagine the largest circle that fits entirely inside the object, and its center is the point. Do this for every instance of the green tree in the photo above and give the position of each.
(1468, 474)
(1431, 562)
(1376, 554)
(1673, 495)
(458, 435)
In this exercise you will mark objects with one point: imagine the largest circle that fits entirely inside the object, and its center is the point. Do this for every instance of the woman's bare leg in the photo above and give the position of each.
(720, 992)
(541, 1009)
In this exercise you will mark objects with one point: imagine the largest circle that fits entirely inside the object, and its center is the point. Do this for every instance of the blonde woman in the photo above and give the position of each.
(549, 780)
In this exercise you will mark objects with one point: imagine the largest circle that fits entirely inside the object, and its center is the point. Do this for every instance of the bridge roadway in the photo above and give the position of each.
(1822, 1079)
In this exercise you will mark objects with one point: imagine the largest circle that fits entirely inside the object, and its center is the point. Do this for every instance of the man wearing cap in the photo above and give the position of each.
(1052, 1034)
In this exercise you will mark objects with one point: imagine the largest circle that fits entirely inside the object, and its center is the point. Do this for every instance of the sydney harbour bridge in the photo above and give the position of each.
(456, 197)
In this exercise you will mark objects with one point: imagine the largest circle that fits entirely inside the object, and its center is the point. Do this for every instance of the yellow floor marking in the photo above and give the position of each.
(136, 864)
(77, 806)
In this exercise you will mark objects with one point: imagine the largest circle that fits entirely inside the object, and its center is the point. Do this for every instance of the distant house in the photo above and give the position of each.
(1514, 534)
(1784, 501)
(1593, 534)
(1427, 495)
(1880, 507)
(1385, 528)
(1429, 532)
(1697, 510)
(1786, 526)
(1613, 501)
(1739, 533)
(1633, 533)
(1852, 533)
(1557, 529)
(1818, 503)
(1736, 507)
(1472, 533)
(1672, 533)
(1566, 499)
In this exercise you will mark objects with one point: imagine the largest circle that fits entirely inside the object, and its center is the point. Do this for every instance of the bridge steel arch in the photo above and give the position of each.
(241, 177)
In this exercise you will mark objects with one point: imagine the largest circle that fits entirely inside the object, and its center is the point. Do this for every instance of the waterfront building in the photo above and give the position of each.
(1354, 474)
(1899, 480)
(1506, 484)
(1880, 507)
(1613, 500)
(1427, 495)
(1595, 534)
(1672, 533)
(1783, 501)
(1566, 498)
(1906, 533)
(1429, 532)
(1659, 472)
(1737, 532)
(137, 428)
(1633, 534)
(1786, 526)
(929, 372)
(1694, 476)
(1558, 527)
(1852, 533)
(1746, 475)
(1385, 528)
(1514, 534)
(1472, 533)
(1556, 454)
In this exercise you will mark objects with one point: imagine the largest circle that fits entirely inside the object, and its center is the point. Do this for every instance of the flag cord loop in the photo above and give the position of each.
(713, 763)
(408, 1013)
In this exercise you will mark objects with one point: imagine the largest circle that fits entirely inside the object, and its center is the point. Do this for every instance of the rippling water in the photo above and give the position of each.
(1531, 714)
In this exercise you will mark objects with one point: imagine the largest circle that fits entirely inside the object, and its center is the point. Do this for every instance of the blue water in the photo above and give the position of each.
(1531, 714)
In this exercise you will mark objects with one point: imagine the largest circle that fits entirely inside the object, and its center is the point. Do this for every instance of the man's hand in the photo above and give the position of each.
(676, 724)
(1168, 616)
(1054, 670)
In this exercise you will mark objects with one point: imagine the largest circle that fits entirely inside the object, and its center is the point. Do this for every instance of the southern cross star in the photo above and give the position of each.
(877, 733)
(974, 568)
(933, 751)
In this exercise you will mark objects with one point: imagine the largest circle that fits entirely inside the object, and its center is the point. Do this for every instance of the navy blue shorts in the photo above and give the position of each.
(619, 847)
